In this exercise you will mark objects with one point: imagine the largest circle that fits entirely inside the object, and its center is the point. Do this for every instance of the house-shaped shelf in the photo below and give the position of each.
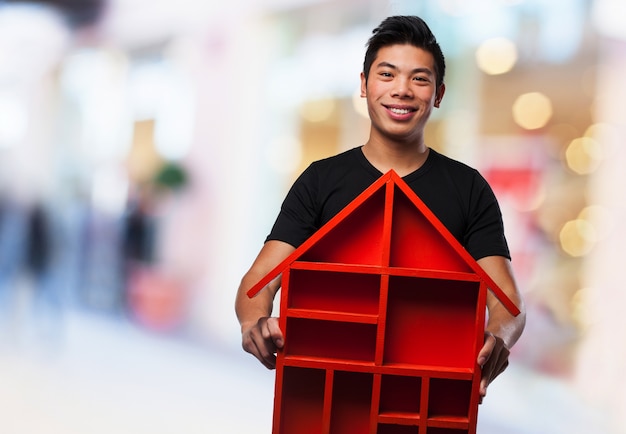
(383, 313)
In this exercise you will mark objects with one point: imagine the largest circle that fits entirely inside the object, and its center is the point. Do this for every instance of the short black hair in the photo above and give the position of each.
(404, 29)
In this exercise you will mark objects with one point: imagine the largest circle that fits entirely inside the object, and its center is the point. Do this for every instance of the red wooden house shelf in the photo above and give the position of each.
(383, 313)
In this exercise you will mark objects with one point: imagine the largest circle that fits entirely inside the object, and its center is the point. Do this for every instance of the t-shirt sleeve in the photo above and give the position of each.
(297, 219)
(485, 229)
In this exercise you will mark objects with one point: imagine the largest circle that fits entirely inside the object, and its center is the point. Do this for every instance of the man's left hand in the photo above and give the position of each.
(493, 359)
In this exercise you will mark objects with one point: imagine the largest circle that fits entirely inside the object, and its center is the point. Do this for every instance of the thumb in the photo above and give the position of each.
(487, 349)
(275, 332)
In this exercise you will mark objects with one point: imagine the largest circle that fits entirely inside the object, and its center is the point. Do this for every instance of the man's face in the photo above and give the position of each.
(401, 91)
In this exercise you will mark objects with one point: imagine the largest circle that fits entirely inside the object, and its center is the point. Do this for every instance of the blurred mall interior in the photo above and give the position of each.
(146, 146)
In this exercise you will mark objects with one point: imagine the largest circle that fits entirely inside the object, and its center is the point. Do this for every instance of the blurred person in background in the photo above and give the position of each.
(31, 305)
(402, 81)
(38, 248)
(39, 270)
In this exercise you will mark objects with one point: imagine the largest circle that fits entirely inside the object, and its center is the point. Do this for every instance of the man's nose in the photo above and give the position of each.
(401, 89)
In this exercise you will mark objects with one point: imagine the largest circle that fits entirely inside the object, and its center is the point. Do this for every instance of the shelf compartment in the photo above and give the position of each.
(416, 243)
(357, 239)
(351, 403)
(334, 291)
(302, 403)
(431, 322)
(400, 397)
(449, 403)
(330, 339)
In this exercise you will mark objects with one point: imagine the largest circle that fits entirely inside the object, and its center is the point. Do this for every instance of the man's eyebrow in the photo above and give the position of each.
(384, 64)
(424, 69)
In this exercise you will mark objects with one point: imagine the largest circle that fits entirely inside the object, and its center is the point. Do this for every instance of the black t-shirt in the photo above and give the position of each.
(456, 193)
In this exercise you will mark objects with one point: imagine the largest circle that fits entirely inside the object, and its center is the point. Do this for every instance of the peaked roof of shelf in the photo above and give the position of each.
(392, 191)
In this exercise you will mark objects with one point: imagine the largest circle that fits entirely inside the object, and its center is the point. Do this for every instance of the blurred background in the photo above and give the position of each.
(146, 146)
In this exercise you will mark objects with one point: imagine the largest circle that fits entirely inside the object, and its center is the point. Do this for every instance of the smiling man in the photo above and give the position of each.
(402, 80)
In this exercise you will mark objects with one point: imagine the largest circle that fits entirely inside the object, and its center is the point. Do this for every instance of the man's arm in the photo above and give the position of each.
(260, 333)
(503, 329)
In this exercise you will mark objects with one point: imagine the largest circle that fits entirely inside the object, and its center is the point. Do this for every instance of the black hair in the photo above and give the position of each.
(404, 30)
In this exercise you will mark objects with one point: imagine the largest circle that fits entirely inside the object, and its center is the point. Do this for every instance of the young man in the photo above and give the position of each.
(402, 80)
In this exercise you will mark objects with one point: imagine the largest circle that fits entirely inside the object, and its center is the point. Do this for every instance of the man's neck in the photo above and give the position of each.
(402, 157)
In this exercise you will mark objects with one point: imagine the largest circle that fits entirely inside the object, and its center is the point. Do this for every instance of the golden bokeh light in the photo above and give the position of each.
(496, 56)
(583, 155)
(532, 110)
(577, 237)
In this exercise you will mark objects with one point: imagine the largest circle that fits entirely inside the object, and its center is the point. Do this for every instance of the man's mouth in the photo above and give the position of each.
(400, 111)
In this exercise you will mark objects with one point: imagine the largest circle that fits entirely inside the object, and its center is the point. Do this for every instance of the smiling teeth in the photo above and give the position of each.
(400, 111)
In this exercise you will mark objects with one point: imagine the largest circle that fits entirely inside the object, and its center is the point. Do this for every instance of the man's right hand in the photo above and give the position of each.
(263, 339)
(260, 334)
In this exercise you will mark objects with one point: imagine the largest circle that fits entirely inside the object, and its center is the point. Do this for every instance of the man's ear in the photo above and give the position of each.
(439, 95)
(363, 85)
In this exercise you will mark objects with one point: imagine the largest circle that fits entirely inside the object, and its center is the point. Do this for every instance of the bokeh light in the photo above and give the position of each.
(577, 237)
(532, 110)
(496, 56)
(583, 155)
